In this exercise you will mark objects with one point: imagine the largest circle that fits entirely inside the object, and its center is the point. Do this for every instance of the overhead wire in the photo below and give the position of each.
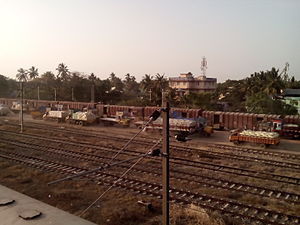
(152, 118)
(116, 181)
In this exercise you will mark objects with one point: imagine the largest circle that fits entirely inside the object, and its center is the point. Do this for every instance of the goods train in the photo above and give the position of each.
(181, 126)
(216, 119)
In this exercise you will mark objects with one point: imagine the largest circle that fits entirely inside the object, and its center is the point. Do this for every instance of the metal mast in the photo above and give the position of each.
(165, 161)
(204, 66)
(21, 112)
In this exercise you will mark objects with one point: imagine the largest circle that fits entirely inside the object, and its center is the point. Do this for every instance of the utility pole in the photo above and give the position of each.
(21, 112)
(38, 93)
(54, 94)
(150, 95)
(165, 161)
(72, 94)
(93, 93)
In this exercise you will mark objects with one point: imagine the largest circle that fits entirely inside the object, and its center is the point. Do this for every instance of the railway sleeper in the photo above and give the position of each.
(225, 206)
(278, 195)
(262, 192)
(287, 196)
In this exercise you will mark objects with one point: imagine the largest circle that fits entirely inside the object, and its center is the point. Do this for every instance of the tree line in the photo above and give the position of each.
(75, 86)
(254, 94)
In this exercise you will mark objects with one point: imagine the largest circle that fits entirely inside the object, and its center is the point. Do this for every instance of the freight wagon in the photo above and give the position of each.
(177, 125)
(216, 119)
(181, 126)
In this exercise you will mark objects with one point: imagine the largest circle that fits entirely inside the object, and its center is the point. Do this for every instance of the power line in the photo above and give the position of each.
(144, 155)
(152, 118)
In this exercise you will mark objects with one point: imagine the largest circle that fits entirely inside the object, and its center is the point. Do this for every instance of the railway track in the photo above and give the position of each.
(204, 152)
(256, 151)
(203, 180)
(90, 133)
(228, 207)
(182, 161)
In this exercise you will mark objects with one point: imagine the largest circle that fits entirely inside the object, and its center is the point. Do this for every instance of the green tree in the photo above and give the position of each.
(146, 87)
(63, 72)
(264, 104)
(147, 83)
(160, 84)
(22, 75)
(274, 82)
(233, 92)
(47, 83)
(131, 87)
(116, 83)
(33, 73)
(116, 91)
(8, 87)
(269, 82)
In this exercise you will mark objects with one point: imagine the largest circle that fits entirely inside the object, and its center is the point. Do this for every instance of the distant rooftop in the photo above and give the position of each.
(189, 77)
(291, 92)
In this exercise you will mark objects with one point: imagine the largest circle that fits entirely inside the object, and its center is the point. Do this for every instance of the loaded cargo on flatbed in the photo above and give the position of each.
(263, 138)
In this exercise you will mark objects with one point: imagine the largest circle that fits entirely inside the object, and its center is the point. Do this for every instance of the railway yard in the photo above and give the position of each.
(233, 184)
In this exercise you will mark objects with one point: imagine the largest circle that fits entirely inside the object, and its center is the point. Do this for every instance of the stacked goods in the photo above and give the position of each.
(262, 138)
(56, 114)
(4, 111)
(176, 124)
(290, 125)
(260, 134)
(84, 116)
(16, 106)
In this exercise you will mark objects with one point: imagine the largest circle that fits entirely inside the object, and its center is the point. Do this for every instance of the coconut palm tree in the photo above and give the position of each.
(33, 73)
(273, 83)
(22, 75)
(92, 77)
(147, 82)
(63, 71)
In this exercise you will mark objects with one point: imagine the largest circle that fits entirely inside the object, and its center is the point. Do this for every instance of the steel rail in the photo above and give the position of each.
(192, 163)
(210, 153)
(176, 174)
(256, 214)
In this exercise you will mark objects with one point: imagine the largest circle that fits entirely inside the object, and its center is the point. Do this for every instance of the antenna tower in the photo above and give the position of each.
(204, 66)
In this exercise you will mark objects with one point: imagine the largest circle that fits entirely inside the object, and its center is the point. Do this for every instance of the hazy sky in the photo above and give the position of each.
(238, 37)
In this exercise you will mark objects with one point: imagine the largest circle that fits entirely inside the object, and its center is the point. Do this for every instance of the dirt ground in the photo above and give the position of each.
(286, 144)
(118, 207)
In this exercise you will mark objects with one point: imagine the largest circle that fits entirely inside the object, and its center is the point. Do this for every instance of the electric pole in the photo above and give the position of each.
(38, 93)
(21, 112)
(72, 94)
(54, 94)
(92, 78)
(165, 160)
(93, 93)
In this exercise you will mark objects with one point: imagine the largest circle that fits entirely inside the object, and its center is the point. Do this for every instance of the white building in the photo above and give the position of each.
(186, 83)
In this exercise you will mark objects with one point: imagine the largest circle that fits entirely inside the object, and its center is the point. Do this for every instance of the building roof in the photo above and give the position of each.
(291, 92)
(189, 77)
(192, 79)
(19, 209)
